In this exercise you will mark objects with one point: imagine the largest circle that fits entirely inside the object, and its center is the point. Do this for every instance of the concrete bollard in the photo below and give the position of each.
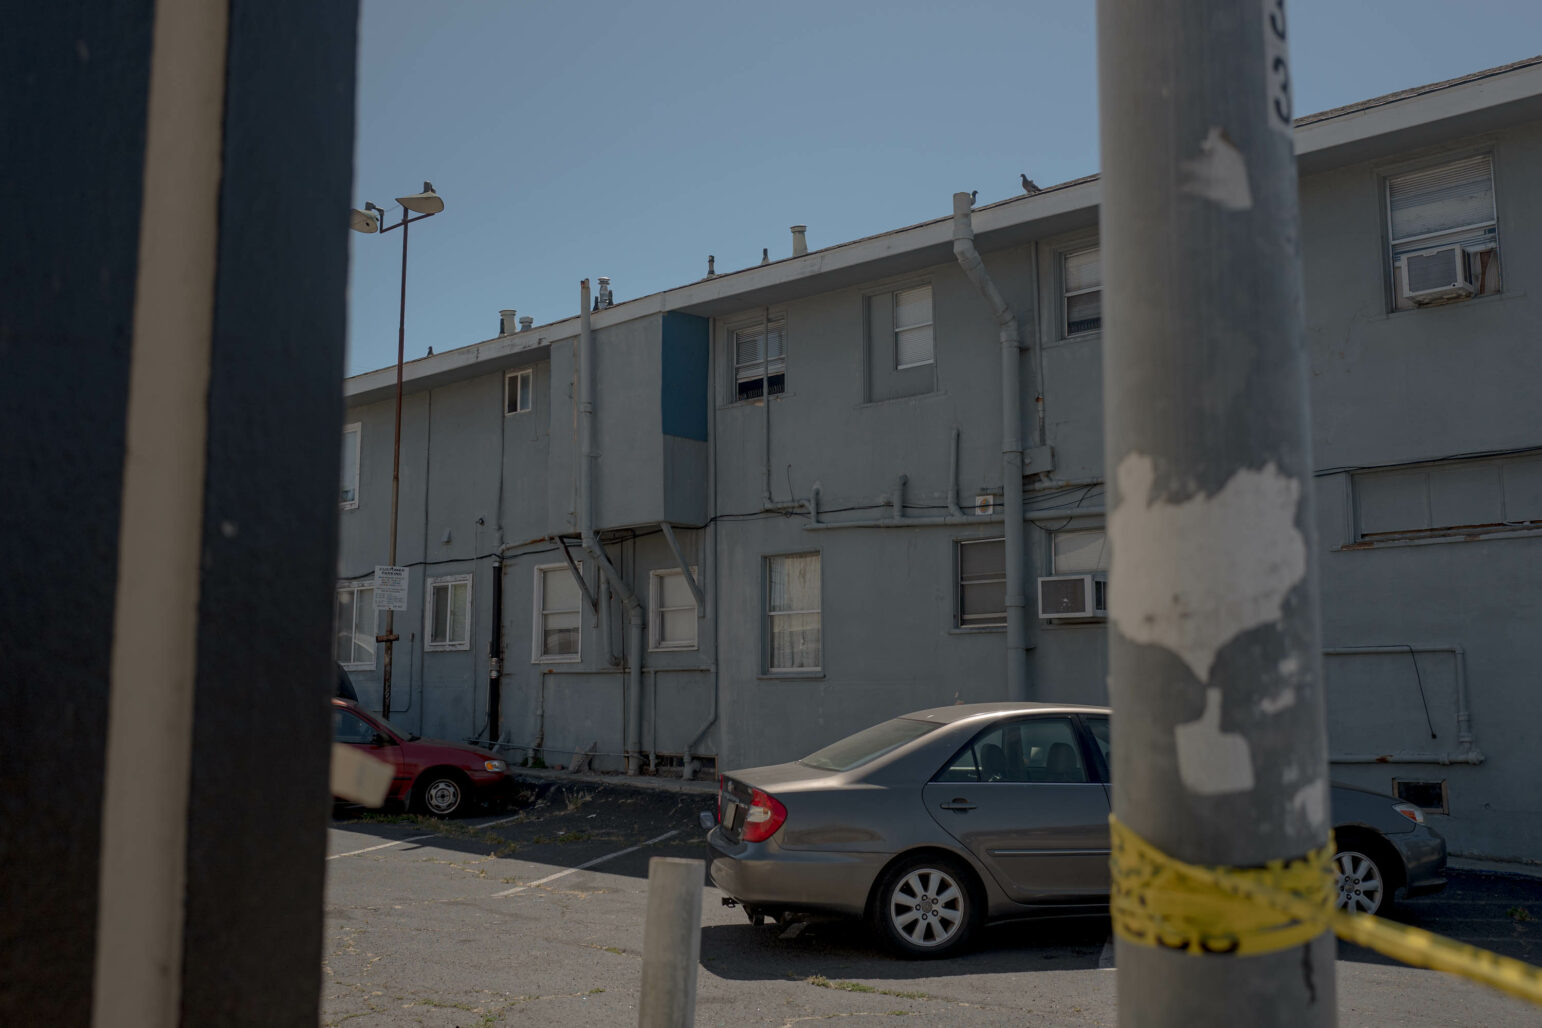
(671, 943)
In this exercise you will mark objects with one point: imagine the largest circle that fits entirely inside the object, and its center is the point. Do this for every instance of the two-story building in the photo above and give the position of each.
(768, 510)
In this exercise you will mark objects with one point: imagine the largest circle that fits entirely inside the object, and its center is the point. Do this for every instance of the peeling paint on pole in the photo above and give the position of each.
(1236, 555)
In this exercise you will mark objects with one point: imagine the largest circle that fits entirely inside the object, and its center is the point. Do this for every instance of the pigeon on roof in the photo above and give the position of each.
(973, 193)
(1028, 186)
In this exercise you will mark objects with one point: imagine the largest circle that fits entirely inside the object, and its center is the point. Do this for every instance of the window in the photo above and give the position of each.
(448, 617)
(982, 583)
(1457, 498)
(348, 488)
(1435, 208)
(672, 611)
(913, 343)
(349, 727)
(1079, 552)
(1040, 750)
(759, 367)
(1082, 275)
(516, 391)
(355, 625)
(557, 604)
(792, 613)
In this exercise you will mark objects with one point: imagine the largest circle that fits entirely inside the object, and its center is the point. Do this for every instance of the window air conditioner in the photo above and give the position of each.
(1073, 596)
(1436, 275)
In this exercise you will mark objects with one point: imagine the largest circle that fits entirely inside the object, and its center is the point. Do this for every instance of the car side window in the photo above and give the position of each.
(1040, 749)
(347, 727)
(1098, 726)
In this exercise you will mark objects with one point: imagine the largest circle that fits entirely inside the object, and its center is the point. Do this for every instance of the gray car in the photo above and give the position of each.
(932, 824)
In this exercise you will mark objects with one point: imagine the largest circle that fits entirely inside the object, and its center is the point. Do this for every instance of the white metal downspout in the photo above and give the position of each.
(1011, 445)
(634, 609)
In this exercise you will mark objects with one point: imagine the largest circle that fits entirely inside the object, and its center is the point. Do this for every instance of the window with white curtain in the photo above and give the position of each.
(447, 617)
(982, 583)
(1079, 552)
(348, 487)
(672, 611)
(354, 621)
(1082, 278)
(913, 340)
(557, 631)
(1451, 203)
(760, 360)
(793, 624)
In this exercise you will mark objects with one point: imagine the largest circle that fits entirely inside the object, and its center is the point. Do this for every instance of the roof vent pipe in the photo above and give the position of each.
(711, 266)
(765, 255)
(799, 244)
(506, 321)
(526, 323)
(605, 299)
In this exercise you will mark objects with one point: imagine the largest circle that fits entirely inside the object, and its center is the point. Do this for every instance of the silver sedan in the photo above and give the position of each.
(934, 823)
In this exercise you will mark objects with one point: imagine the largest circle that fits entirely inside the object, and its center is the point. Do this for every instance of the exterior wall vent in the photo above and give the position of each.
(1073, 596)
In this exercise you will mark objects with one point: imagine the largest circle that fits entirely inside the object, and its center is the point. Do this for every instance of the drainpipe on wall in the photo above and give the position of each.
(1011, 445)
(592, 546)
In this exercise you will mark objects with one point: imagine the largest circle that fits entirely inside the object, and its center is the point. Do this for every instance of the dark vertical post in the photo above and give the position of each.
(1214, 648)
(389, 638)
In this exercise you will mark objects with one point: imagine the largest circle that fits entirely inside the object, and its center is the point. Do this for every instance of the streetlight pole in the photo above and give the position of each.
(425, 205)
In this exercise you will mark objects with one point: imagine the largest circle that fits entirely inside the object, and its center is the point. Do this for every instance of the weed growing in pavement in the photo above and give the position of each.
(824, 983)
(1519, 914)
(573, 837)
(578, 799)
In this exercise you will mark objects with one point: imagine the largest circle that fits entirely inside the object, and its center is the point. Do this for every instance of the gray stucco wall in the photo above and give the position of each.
(1385, 389)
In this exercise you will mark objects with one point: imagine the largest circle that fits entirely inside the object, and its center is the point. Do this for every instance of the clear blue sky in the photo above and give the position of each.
(633, 139)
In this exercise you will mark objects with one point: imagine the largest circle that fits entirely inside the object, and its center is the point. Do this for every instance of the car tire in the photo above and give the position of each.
(926, 906)
(441, 793)
(1363, 885)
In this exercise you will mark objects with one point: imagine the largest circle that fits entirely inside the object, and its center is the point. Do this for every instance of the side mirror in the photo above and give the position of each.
(379, 740)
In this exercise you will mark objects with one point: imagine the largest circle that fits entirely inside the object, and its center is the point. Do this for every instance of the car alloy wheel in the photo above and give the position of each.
(926, 908)
(1362, 886)
(442, 796)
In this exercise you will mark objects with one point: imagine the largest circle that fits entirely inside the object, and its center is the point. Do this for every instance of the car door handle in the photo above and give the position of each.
(958, 803)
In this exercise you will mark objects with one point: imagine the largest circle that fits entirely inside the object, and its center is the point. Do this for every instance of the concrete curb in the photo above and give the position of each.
(645, 783)
(1505, 867)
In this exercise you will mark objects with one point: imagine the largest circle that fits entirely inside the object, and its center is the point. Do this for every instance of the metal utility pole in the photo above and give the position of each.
(1214, 650)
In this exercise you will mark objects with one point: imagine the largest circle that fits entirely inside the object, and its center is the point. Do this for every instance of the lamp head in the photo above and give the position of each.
(364, 221)
(426, 202)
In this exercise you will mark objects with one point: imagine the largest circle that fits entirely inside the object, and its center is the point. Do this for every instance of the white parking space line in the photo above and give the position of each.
(419, 838)
(384, 845)
(584, 867)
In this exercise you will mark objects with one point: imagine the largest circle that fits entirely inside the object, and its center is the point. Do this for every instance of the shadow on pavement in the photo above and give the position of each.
(1488, 909)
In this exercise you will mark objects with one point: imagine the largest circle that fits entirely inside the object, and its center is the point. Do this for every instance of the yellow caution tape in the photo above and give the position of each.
(1163, 902)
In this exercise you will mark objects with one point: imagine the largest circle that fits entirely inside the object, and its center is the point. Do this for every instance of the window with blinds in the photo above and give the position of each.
(982, 583)
(913, 344)
(1448, 205)
(1082, 274)
(760, 360)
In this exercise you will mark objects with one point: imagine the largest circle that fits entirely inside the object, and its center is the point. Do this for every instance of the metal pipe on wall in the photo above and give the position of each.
(1011, 444)
(1467, 751)
(591, 543)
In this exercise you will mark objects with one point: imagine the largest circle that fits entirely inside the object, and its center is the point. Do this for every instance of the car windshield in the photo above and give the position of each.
(867, 745)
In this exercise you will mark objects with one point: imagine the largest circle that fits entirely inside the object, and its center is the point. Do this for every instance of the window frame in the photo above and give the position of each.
(447, 582)
(519, 377)
(764, 327)
(356, 586)
(538, 613)
(1392, 266)
(958, 587)
(357, 428)
(768, 618)
(656, 609)
(894, 300)
(1066, 293)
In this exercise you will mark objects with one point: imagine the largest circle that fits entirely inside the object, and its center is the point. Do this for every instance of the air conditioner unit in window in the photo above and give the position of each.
(1073, 596)
(1436, 275)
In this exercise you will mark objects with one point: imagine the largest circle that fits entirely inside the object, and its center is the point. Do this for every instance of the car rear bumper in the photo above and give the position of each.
(1424, 859)
(765, 875)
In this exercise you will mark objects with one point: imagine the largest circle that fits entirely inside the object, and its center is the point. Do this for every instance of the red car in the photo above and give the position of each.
(432, 776)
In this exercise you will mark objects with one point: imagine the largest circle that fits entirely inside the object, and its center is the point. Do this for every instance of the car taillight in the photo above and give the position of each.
(1410, 811)
(764, 816)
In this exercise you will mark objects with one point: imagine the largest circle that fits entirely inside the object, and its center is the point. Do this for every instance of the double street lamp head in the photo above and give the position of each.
(425, 203)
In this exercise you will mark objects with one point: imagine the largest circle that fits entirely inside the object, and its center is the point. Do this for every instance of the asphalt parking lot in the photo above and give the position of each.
(535, 915)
